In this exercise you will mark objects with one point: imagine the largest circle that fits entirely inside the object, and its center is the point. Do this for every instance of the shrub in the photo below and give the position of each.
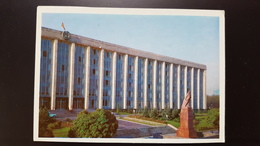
(44, 121)
(153, 113)
(145, 112)
(213, 117)
(100, 123)
(55, 125)
(117, 108)
(175, 113)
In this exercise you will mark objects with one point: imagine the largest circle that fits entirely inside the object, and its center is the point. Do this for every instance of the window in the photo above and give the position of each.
(94, 61)
(93, 71)
(107, 54)
(78, 80)
(79, 59)
(128, 103)
(94, 51)
(105, 103)
(62, 67)
(44, 54)
(107, 82)
(107, 73)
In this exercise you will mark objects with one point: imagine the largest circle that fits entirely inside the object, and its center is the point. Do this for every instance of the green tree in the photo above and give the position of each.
(175, 113)
(44, 121)
(213, 117)
(154, 113)
(100, 123)
(145, 112)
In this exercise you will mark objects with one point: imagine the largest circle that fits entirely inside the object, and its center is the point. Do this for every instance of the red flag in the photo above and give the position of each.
(62, 25)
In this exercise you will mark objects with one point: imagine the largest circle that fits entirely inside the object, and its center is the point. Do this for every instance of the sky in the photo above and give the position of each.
(192, 38)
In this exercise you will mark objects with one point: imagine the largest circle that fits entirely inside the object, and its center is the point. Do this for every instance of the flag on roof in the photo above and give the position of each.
(62, 25)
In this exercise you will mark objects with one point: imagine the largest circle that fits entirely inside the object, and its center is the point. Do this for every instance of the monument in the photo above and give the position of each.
(186, 128)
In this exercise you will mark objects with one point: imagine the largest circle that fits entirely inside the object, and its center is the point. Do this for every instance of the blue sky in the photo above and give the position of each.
(192, 38)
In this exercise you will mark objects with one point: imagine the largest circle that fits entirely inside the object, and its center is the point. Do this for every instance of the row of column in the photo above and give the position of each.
(125, 71)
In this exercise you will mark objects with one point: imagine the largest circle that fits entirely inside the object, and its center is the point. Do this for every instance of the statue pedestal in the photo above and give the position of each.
(186, 128)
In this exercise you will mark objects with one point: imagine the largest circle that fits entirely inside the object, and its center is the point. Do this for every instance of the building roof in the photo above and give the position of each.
(85, 41)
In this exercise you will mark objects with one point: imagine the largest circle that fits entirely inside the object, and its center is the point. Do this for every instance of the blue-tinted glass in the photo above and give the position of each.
(45, 73)
(62, 70)
(79, 72)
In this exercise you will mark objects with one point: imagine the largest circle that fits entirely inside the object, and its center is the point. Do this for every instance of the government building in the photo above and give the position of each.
(77, 72)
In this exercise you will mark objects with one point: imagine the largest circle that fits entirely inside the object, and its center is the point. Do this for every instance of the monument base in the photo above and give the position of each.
(186, 128)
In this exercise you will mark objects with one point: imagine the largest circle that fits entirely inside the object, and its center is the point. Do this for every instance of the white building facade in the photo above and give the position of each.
(83, 73)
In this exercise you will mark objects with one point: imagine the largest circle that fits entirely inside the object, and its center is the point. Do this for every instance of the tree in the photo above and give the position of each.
(145, 112)
(213, 117)
(44, 121)
(154, 113)
(175, 113)
(213, 101)
(100, 123)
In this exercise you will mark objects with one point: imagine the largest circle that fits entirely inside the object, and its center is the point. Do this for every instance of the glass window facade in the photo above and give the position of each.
(167, 85)
(119, 80)
(93, 78)
(150, 84)
(159, 85)
(107, 80)
(195, 88)
(182, 95)
(201, 89)
(45, 75)
(130, 82)
(140, 94)
(175, 86)
(62, 70)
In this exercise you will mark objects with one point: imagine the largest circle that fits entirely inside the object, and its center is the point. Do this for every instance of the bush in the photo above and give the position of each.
(153, 113)
(100, 123)
(145, 112)
(55, 125)
(213, 117)
(44, 121)
(175, 113)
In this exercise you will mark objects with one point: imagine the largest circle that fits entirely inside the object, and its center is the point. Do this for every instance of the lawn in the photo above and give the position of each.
(174, 123)
(62, 132)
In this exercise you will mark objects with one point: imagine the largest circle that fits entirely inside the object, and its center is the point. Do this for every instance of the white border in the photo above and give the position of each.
(130, 11)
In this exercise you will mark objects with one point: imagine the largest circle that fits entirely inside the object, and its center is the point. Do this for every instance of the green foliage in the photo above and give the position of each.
(44, 121)
(154, 113)
(100, 123)
(175, 113)
(117, 108)
(62, 132)
(213, 117)
(145, 112)
(55, 125)
(129, 110)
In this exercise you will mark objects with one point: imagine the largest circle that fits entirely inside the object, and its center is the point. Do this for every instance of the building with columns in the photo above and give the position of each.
(83, 73)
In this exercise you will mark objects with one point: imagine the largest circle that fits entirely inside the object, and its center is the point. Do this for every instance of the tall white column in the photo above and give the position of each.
(53, 73)
(192, 84)
(113, 81)
(204, 90)
(125, 81)
(185, 81)
(101, 77)
(71, 74)
(198, 87)
(163, 85)
(171, 86)
(145, 81)
(178, 86)
(135, 81)
(154, 82)
(87, 70)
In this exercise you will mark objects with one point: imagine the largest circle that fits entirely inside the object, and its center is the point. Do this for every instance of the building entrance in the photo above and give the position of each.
(61, 103)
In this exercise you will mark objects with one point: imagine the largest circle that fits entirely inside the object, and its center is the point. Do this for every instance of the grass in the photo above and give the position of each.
(124, 113)
(174, 123)
(62, 132)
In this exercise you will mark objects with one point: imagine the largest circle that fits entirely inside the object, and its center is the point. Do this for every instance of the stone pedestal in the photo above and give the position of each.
(186, 128)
